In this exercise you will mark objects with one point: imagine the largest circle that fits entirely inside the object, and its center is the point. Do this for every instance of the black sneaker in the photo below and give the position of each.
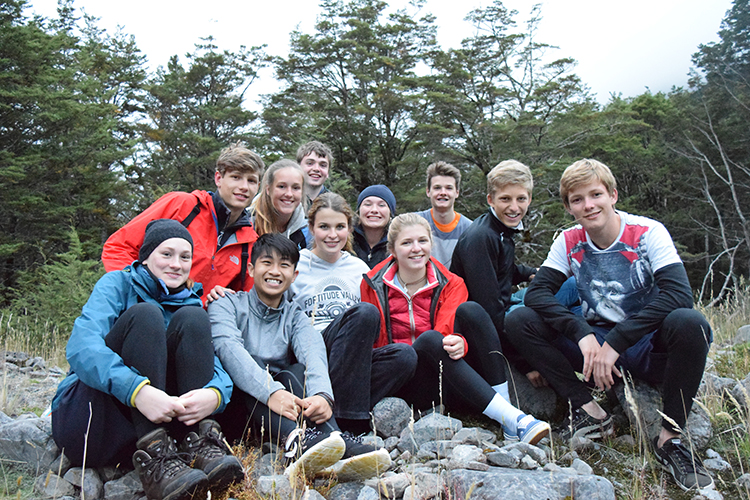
(165, 473)
(686, 469)
(584, 426)
(309, 451)
(210, 452)
(360, 461)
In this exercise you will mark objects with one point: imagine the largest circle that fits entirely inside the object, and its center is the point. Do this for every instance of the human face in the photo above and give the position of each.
(510, 203)
(286, 191)
(237, 189)
(272, 276)
(316, 169)
(374, 213)
(331, 231)
(442, 192)
(171, 261)
(412, 249)
(594, 208)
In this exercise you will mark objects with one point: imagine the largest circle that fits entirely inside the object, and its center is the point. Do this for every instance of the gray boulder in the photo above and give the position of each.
(433, 427)
(89, 482)
(391, 416)
(712, 384)
(351, 491)
(742, 336)
(542, 402)
(527, 485)
(741, 391)
(128, 487)
(474, 435)
(648, 403)
(29, 441)
(277, 486)
(52, 486)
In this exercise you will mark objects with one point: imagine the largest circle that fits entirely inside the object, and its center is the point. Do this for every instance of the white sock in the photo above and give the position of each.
(502, 389)
(504, 412)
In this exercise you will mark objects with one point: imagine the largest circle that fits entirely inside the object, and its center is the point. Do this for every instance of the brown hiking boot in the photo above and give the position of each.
(210, 452)
(165, 473)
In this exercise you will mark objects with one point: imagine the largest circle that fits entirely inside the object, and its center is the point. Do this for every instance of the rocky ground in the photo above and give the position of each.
(435, 456)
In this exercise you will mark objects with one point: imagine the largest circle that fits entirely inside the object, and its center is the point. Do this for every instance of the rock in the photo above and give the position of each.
(708, 495)
(391, 416)
(474, 435)
(526, 485)
(277, 486)
(53, 486)
(464, 453)
(351, 491)
(742, 336)
(437, 449)
(626, 440)
(29, 441)
(393, 486)
(741, 391)
(541, 402)
(390, 443)
(527, 449)
(60, 465)
(528, 463)
(552, 467)
(267, 465)
(430, 428)
(128, 487)
(713, 384)
(89, 482)
(311, 494)
(743, 481)
(503, 458)
(717, 464)
(582, 467)
(648, 403)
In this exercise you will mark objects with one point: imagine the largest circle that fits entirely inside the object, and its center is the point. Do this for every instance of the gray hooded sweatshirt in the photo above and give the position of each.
(255, 341)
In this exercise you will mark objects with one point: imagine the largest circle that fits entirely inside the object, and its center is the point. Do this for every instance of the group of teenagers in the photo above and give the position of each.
(270, 307)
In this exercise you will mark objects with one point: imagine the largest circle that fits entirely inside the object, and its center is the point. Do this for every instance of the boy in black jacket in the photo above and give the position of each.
(636, 315)
(485, 254)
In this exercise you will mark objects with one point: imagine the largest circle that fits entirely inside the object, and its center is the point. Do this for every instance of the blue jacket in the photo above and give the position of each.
(95, 364)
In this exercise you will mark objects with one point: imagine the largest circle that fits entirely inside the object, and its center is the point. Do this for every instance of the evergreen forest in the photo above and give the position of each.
(89, 136)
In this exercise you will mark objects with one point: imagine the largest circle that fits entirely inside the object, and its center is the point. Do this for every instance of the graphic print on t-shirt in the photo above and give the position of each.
(613, 283)
(330, 300)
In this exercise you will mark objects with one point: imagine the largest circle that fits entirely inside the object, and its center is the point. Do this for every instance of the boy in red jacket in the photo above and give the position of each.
(222, 233)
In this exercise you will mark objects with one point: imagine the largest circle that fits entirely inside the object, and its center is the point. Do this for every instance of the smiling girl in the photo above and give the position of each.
(278, 208)
(328, 291)
(376, 206)
(422, 304)
(143, 372)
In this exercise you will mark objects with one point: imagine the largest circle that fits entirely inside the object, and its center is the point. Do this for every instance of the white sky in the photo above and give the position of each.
(621, 47)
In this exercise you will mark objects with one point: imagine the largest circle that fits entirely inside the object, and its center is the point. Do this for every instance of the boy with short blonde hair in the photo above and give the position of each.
(485, 254)
(636, 316)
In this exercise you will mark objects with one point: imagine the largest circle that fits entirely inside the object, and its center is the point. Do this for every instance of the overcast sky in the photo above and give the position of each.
(621, 47)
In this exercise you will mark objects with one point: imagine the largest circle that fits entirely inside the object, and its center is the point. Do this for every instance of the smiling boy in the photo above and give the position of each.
(222, 233)
(316, 159)
(485, 254)
(637, 317)
(443, 182)
(278, 363)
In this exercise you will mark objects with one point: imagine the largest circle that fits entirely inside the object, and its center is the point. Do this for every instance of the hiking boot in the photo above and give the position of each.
(584, 426)
(528, 430)
(165, 473)
(686, 469)
(311, 451)
(210, 452)
(360, 461)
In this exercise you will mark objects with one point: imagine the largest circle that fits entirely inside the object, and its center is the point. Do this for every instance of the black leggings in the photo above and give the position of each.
(244, 410)
(466, 382)
(176, 359)
(673, 356)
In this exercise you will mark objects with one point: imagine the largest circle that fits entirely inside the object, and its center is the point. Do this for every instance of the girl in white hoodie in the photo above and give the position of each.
(328, 291)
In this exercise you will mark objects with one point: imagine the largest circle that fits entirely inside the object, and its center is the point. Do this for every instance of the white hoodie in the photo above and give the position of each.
(324, 290)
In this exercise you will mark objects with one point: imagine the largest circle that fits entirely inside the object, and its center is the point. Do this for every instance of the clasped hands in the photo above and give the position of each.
(190, 408)
(599, 361)
(286, 404)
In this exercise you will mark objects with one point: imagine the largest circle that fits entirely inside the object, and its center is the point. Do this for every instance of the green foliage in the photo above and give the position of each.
(56, 291)
(193, 112)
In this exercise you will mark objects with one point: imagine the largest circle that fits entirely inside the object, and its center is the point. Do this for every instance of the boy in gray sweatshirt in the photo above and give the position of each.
(277, 362)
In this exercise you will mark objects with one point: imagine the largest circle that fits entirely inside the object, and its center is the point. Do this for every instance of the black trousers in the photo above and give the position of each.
(466, 382)
(673, 356)
(176, 359)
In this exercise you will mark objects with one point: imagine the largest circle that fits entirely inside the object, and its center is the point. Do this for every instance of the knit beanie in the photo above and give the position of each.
(160, 230)
(381, 192)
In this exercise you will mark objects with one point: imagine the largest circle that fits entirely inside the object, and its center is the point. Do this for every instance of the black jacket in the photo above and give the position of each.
(372, 256)
(485, 258)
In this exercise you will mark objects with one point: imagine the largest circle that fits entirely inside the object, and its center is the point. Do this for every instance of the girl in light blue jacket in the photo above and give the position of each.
(143, 374)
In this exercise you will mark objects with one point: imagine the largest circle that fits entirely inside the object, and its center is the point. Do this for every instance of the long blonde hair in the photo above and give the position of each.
(337, 203)
(266, 215)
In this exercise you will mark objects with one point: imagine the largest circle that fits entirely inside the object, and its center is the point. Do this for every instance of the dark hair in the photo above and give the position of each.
(316, 147)
(443, 169)
(275, 243)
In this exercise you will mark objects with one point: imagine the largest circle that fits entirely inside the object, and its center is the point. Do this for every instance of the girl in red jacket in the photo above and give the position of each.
(423, 304)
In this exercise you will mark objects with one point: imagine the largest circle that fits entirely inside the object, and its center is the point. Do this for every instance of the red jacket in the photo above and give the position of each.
(211, 266)
(442, 295)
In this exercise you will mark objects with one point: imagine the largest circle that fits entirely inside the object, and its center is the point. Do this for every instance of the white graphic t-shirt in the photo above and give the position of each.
(616, 282)
(323, 290)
